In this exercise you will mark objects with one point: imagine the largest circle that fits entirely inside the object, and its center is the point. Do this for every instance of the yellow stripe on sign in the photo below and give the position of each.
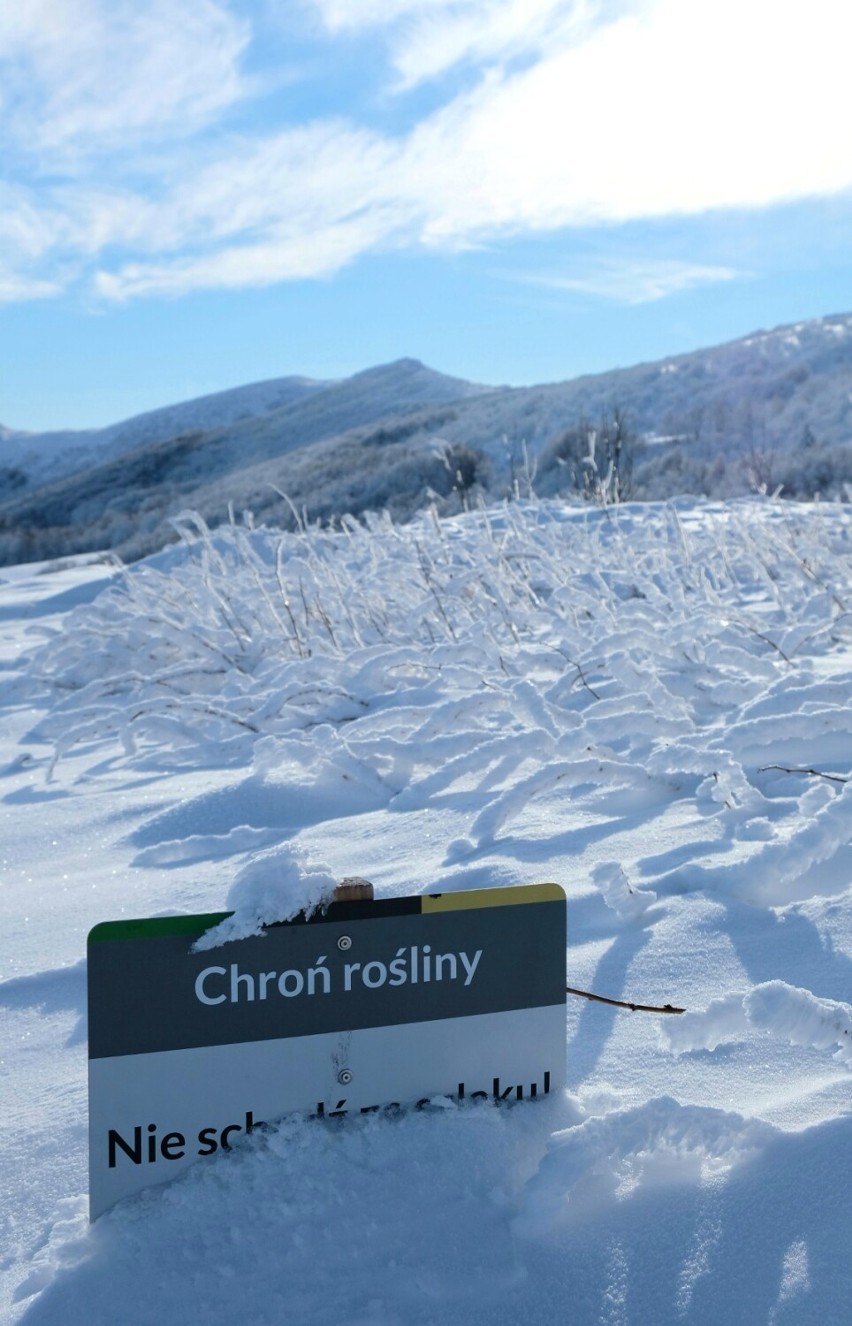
(505, 897)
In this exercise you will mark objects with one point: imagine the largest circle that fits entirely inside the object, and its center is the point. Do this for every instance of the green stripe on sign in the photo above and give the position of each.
(155, 927)
(160, 927)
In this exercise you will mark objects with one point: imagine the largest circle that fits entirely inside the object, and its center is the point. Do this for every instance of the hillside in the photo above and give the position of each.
(44, 457)
(771, 410)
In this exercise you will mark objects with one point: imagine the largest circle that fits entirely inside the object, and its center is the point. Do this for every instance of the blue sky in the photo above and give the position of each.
(202, 193)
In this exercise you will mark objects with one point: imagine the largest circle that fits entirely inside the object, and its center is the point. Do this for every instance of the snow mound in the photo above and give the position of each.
(781, 1010)
(660, 1142)
(275, 886)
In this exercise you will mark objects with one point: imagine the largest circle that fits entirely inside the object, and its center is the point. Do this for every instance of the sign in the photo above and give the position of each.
(363, 1006)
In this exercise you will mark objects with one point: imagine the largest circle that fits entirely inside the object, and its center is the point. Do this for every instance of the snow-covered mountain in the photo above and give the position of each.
(48, 457)
(44, 457)
(772, 409)
(114, 492)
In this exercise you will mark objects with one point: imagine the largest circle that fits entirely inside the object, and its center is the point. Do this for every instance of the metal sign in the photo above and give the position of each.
(363, 1006)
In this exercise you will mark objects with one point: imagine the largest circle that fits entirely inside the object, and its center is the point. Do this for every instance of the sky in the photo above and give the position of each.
(198, 194)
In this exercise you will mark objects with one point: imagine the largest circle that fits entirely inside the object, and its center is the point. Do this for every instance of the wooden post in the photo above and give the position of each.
(353, 889)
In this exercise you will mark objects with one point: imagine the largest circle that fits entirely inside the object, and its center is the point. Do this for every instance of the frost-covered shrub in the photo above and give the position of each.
(503, 640)
(593, 462)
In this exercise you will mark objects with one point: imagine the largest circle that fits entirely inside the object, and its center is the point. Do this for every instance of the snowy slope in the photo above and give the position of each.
(124, 496)
(321, 409)
(759, 396)
(45, 457)
(649, 706)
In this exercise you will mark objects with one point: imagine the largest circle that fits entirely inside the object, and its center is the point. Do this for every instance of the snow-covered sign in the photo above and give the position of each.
(362, 1006)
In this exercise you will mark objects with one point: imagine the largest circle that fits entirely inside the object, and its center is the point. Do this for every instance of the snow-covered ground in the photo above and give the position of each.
(649, 706)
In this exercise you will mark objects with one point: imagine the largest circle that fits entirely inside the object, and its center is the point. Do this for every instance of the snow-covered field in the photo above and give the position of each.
(649, 706)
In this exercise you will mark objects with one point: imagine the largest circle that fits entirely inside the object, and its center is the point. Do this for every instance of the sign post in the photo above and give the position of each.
(363, 1006)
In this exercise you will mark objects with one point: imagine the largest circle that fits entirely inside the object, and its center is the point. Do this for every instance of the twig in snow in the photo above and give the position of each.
(581, 676)
(814, 773)
(622, 1003)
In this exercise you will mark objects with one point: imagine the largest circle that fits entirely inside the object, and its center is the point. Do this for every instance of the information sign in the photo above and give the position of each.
(362, 1006)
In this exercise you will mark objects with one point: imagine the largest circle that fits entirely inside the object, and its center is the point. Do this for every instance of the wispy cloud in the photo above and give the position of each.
(118, 117)
(634, 282)
(296, 205)
(84, 77)
(17, 288)
(427, 38)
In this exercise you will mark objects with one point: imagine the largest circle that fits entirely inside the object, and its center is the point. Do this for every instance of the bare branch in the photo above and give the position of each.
(813, 773)
(621, 1003)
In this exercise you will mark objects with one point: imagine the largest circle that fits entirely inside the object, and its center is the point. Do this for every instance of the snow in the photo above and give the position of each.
(647, 705)
(775, 1007)
(276, 885)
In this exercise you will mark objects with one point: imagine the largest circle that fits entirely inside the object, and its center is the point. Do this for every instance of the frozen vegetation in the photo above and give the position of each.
(648, 704)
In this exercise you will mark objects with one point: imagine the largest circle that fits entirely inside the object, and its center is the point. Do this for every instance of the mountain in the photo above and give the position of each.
(48, 456)
(771, 409)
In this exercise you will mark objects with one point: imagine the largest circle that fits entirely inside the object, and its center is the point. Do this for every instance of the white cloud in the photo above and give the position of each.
(27, 230)
(300, 205)
(617, 111)
(29, 234)
(428, 37)
(484, 33)
(635, 282)
(690, 107)
(84, 76)
(283, 256)
(16, 288)
(339, 15)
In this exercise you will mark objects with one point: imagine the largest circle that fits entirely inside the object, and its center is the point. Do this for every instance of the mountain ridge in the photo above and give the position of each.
(772, 407)
(67, 449)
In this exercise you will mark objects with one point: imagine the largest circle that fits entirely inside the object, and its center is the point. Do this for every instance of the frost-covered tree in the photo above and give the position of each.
(594, 461)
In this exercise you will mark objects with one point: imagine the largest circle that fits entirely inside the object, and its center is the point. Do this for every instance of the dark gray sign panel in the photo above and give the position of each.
(362, 1005)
